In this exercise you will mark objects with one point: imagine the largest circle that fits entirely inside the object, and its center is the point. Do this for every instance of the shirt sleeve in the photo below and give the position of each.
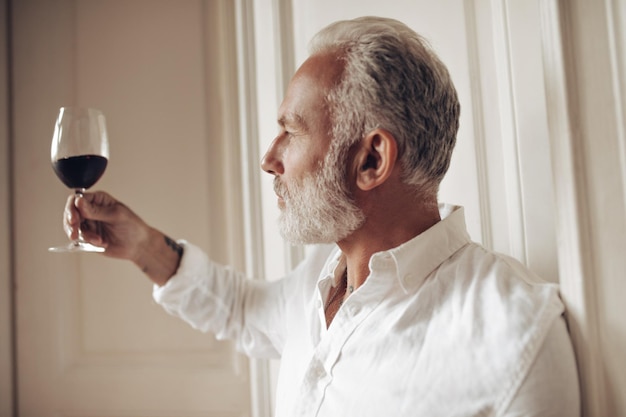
(551, 387)
(216, 299)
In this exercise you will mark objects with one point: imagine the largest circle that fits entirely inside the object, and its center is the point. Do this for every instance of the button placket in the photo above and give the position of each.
(318, 376)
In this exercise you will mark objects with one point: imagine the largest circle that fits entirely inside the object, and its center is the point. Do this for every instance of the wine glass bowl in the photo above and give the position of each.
(79, 155)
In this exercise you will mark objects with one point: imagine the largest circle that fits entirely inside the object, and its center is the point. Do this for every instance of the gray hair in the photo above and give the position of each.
(392, 80)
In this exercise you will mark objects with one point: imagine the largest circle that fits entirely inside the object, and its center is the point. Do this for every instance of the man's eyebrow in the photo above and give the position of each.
(292, 119)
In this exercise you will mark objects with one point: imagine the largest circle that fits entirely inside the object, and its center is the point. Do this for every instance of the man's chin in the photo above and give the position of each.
(301, 237)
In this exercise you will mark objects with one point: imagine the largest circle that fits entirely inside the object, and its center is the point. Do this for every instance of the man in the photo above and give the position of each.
(402, 315)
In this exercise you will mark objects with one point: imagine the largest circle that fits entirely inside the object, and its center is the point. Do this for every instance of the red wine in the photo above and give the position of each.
(80, 171)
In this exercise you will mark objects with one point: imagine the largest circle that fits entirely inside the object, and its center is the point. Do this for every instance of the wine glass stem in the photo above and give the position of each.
(79, 193)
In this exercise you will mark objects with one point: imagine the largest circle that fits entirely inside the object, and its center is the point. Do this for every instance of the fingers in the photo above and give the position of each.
(100, 198)
(96, 206)
(85, 213)
(92, 232)
(104, 221)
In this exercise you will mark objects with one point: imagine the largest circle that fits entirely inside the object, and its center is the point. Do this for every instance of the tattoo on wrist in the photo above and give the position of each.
(174, 246)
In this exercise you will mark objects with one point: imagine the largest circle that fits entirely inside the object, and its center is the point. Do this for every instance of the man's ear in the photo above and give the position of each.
(375, 159)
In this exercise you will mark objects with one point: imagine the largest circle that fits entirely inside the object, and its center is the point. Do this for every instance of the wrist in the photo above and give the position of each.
(158, 256)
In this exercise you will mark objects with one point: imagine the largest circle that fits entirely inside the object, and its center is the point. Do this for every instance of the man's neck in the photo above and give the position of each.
(382, 231)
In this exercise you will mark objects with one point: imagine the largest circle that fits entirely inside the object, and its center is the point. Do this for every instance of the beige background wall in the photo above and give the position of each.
(90, 340)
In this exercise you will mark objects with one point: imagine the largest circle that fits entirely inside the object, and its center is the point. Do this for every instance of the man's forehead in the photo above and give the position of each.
(305, 105)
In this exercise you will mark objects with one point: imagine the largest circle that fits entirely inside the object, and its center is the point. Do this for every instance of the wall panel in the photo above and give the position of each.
(91, 340)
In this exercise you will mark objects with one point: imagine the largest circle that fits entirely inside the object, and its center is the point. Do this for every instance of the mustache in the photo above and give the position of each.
(280, 188)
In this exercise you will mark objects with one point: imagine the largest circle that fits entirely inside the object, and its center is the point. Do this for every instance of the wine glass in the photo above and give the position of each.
(79, 153)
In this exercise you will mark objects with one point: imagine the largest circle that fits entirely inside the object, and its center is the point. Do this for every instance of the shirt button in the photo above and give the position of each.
(353, 309)
(320, 373)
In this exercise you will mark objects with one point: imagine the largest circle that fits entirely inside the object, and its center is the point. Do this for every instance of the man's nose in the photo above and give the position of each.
(271, 162)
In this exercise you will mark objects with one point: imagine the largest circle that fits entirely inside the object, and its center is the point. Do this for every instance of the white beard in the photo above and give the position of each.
(317, 209)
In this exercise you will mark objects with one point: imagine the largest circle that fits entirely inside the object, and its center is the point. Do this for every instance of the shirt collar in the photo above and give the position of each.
(335, 268)
(415, 259)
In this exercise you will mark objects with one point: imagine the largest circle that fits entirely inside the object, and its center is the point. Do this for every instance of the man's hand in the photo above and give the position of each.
(105, 222)
(108, 223)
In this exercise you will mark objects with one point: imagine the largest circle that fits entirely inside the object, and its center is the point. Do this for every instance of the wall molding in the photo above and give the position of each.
(616, 10)
(260, 389)
(8, 351)
(478, 116)
(286, 67)
(573, 228)
(509, 131)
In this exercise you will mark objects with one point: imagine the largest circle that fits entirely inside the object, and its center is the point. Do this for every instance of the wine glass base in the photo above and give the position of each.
(76, 247)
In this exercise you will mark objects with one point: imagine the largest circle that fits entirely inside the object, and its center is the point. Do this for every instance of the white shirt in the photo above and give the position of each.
(441, 327)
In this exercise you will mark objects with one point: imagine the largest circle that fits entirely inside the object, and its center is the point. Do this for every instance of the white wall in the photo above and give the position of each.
(585, 56)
